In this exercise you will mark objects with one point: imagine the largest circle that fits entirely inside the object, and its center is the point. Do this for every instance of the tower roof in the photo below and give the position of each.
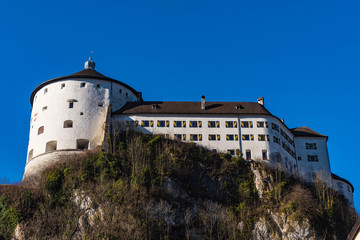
(88, 73)
(306, 132)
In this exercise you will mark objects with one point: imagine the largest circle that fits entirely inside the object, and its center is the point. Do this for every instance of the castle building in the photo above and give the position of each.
(69, 115)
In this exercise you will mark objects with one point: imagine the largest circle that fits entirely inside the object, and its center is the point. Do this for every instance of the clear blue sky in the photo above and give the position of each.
(302, 56)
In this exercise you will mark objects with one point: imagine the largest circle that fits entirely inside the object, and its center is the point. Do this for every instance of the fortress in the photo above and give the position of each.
(69, 116)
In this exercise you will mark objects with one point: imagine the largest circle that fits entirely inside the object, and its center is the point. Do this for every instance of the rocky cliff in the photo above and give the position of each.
(148, 187)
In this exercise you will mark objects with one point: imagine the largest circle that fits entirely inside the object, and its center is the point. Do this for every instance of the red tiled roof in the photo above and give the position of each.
(153, 107)
(306, 132)
(87, 74)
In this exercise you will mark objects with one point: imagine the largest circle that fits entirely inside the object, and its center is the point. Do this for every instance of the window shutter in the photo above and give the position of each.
(266, 124)
(184, 137)
(258, 124)
(243, 137)
(136, 123)
(151, 123)
(218, 137)
(308, 157)
(242, 124)
(209, 125)
(259, 138)
(158, 123)
(227, 137)
(174, 123)
(200, 137)
(236, 137)
(190, 124)
(191, 137)
(199, 124)
(167, 123)
(307, 146)
(252, 137)
(235, 124)
(142, 123)
(217, 124)
(209, 137)
(251, 125)
(184, 124)
(226, 124)
(268, 138)
(227, 151)
(314, 145)
(316, 158)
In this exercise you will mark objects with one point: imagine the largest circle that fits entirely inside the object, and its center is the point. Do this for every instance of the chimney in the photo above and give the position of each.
(261, 100)
(203, 102)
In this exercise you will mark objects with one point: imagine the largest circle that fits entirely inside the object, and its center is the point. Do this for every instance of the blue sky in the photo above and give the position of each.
(302, 56)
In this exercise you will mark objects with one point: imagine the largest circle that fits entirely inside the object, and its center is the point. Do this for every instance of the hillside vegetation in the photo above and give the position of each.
(149, 187)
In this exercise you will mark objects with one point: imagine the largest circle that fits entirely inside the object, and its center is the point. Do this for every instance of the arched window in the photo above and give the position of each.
(41, 130)
(68, 124)
(82, 144)
(51, 146)
(30, 155)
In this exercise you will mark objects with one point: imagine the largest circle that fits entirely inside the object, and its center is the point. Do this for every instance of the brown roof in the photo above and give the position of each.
(306, 132)
(86, 73)
(153, 107)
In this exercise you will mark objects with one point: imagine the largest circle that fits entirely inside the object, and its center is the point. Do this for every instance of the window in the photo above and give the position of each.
(71, 104)
(212, 137)
(264, 155)
(62, 85)
(231, 124)
(82, 144)
(213, 124)
(213, 150)
(193, 124)
(98, 85)
(41, 130)
(246, 124)
(100, 104)
(340, 185)
(68, 124)
(260, 124)
(247, 137)
(276, 140)
(314, 176)
(299, 158)
(162, 123)
(312, 158)
(230, 137)
(179, 124)
(261, 137)
(132, 123)
(231, 152)
(126, 94)
(51, 146)
(193, 137)
(30, 155)
(311, 146)
(45, 90)
(44, 108)
(119, 90)
(177, 136)
(145, 123)
(248, 155)
(274, 127)
(81, 113)
(82, 84)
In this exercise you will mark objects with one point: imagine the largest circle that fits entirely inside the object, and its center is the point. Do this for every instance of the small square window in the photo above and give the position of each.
(81, 113)
(299, 158)
(248, 155)
(71, 105)
(62, 85)
(45, 90)
(98, 85)
(44, 108)
(82, 84)
(100, 104)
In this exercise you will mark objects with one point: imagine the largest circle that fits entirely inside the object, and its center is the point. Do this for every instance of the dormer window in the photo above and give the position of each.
(238, 107)
(154, 106)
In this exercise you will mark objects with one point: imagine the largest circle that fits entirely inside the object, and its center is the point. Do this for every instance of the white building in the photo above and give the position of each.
(69, 115)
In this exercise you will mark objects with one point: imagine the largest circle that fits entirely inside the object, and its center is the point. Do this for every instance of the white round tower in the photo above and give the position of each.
(69, 113)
